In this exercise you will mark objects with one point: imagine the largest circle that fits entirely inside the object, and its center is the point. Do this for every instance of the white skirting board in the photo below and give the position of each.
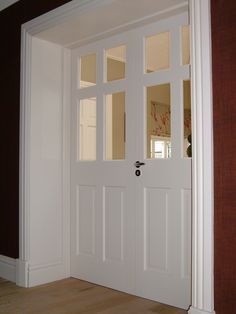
(38, 275)
(8, 268)
(197, 311)
(29, 276)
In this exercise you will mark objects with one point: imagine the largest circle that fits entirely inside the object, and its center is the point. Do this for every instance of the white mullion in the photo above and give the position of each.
(87, 92)
(100, 105)
(74, 109)
(176, 104)
(157, 78)
(176, 119)
(114, 86)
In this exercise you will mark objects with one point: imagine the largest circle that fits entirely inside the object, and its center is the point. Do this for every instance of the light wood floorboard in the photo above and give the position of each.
(72, 296)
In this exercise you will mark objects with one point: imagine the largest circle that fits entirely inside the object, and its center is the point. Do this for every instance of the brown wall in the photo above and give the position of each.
(224, 79)
(224, 99)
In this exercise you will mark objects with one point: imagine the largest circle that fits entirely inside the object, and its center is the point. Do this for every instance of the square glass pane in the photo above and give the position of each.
(115, 126)
(115, 63)
(158, 121)
(185, 45)
(157, 52)
(87, 129)
(187, 119)
(88, 70)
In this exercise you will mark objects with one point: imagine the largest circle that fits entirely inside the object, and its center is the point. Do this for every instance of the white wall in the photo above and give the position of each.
(47, 247)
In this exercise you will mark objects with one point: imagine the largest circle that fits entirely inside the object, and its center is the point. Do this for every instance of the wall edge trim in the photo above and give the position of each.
(202, 168)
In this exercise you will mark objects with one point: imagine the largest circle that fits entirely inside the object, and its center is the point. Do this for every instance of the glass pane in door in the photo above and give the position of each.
(158, 110)
(187, 119)
(86, 142)
(88, 71)
(157, 52)
(185, 45)
(115, 63)
(115, 126)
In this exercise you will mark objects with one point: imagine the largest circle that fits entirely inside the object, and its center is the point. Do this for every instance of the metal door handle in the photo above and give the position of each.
(139, 164)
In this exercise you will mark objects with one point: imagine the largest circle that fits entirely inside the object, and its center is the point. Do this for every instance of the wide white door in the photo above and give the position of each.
(131, 222)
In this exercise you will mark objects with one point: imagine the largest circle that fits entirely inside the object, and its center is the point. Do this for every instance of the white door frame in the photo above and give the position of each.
(202, 161)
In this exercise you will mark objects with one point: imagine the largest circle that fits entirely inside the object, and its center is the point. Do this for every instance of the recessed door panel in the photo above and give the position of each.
(156, 229)
(113, 220)
(85, 220)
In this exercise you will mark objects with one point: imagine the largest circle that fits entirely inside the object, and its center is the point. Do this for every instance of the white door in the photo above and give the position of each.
(130, 223)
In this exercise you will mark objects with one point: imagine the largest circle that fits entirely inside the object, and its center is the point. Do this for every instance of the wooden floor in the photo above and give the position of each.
(72, 296)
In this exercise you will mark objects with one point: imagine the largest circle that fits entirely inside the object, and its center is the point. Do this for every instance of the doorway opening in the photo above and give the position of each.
(49, 143)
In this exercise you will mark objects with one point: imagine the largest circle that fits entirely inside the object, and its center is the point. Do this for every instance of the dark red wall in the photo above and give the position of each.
(224, 99)
(10, 35)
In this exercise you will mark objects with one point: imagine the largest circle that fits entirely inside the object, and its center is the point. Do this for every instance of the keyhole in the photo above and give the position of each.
(137, 172)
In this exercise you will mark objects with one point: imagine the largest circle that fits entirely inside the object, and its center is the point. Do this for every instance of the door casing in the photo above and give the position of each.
(202, 161)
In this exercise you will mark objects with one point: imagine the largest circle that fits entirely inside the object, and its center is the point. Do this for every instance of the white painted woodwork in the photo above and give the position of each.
(133, 233)
(47, 252)
(97, 18)
(163, 212)
(202, 233)
(203, 187)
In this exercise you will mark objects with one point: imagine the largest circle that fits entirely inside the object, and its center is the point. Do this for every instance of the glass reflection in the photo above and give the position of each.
(185, 45)
(157, 52)
(87, 129)
(115, 63)
(115, 126)
(88, 71)
(187, 119)
(158, 121)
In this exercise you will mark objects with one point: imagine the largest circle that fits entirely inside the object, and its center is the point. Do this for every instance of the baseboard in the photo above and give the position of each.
(8, 268)
(41, 274)
(193, 310)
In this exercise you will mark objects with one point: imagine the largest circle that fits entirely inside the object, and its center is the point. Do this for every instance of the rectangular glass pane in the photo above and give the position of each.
(185, 45)
(187, 119)
(158, 121)
(88, 70)
(115, 63)
(157, 52)
(87, 129)
(115, 126)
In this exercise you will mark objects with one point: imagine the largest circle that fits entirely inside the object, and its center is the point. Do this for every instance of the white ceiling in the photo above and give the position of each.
(6, 3)
(109, 15)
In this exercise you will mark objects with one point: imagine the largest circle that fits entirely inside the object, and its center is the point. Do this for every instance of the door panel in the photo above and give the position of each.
(85, 220)
(130, 223)
(155, 225)
(113, 216)
(164, 213)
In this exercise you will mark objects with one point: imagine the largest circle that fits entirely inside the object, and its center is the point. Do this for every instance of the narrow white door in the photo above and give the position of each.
(102, 189)
(163, 189)
(130, 222)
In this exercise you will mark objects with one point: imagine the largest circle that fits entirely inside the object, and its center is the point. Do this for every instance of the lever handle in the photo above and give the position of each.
(139, 164)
